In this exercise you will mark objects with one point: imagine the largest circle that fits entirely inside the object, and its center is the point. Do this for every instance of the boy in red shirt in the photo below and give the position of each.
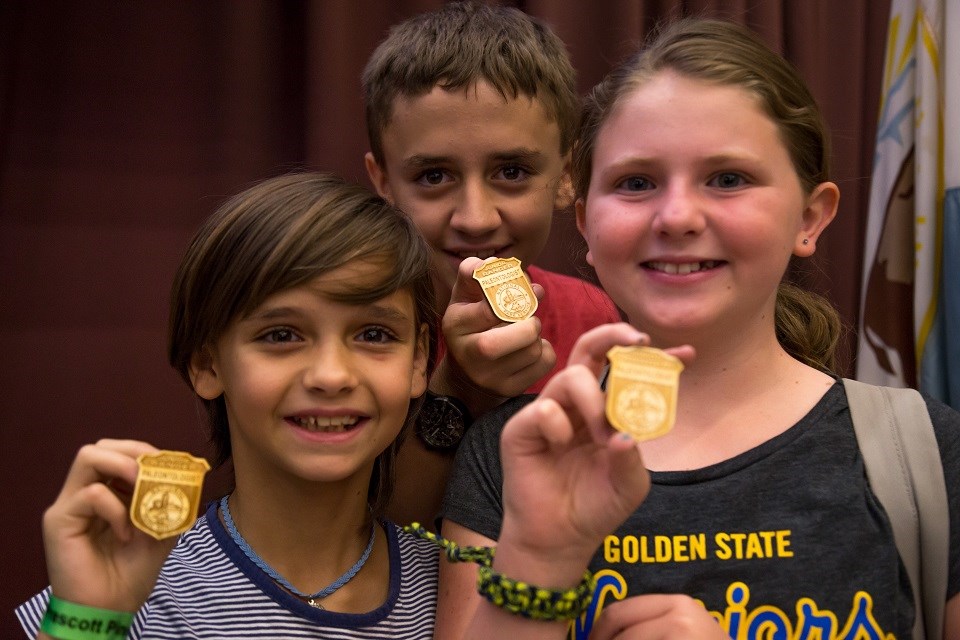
(470, 113)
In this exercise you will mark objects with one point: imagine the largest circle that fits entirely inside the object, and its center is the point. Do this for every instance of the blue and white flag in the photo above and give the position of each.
(910, 304)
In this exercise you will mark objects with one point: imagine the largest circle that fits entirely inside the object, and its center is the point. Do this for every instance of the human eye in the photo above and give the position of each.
(376, 335)
(432, 177)
(513, 173)
(635, 183)
(728, 180)
(279, 335)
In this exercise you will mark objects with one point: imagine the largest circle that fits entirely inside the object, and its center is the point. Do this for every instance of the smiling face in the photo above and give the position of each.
(315, 388)
(480, 175)
(694, 209)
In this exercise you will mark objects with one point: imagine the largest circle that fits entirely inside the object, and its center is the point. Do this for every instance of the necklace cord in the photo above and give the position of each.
(270, 571)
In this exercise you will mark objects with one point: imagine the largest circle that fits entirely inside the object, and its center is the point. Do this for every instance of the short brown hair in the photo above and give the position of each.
(461, 44)
(278, 234)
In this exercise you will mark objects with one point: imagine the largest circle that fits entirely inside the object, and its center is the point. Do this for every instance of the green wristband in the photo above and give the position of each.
(71, 621)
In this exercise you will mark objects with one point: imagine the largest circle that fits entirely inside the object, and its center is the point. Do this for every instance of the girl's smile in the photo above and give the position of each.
(694, 209)
(681, 268)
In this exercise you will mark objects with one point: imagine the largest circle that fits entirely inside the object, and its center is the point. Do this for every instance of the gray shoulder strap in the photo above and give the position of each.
(905, 472)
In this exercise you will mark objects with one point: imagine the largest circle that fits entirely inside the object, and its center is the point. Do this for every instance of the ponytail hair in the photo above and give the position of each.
(808, 327)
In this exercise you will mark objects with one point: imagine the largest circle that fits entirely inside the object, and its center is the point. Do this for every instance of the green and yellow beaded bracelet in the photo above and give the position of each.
(515, 596)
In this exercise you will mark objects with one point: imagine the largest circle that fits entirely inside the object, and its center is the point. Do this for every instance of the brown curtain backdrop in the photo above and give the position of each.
(123, 124)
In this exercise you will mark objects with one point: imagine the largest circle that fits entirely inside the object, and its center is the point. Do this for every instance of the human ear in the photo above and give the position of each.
(820, 209)
(203, 375)
(580, 208)
(378, 176)
(564, 197)
(564, 194)
(418, 379)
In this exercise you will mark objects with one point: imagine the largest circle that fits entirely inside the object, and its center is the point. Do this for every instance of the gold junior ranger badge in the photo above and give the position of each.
(167, 494)
(642, 391)
(507, 289)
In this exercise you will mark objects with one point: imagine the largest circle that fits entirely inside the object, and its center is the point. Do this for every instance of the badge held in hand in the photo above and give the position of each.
(507, 289)
(642, 391)
(167, 494)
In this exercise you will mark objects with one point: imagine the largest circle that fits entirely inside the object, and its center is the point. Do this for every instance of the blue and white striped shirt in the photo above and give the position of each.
(208, 588)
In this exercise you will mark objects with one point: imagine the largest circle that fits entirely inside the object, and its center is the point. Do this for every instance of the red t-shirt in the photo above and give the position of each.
(569, 307)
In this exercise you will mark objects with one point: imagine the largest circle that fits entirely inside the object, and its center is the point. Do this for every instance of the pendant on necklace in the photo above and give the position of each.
(315, 604)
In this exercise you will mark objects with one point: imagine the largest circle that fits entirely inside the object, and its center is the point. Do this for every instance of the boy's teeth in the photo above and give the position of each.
(326, 424)
(483, 255)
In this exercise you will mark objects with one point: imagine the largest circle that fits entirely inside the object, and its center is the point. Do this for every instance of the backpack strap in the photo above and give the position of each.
(904, 468)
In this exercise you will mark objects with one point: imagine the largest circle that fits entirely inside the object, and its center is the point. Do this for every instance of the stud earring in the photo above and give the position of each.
(806, 241)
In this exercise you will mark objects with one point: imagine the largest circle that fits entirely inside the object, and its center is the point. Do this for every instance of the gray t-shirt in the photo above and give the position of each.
(784, 540)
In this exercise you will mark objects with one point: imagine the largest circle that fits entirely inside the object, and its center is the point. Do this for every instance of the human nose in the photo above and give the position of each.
(681, 211)
(329, 368)
(476, 211)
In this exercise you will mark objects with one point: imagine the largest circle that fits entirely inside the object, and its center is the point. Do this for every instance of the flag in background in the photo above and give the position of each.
(940, 362)
(910, 304)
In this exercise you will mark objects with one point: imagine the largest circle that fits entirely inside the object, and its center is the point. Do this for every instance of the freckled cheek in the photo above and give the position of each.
(754, 240)
(611, 241)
